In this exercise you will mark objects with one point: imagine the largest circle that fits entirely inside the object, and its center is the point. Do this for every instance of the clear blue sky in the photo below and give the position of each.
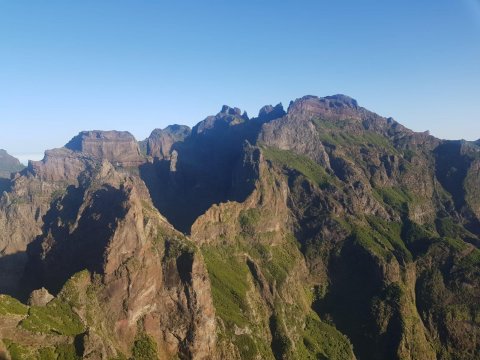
(135, 65)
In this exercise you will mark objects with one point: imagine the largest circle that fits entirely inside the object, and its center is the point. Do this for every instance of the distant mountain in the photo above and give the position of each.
(324, 231)
(8, 164)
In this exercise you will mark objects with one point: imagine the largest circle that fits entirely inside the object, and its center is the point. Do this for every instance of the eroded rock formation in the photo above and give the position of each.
(326, 231)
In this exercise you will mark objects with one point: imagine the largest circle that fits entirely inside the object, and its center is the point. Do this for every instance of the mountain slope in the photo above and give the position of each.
(8, 164)
(322, 232)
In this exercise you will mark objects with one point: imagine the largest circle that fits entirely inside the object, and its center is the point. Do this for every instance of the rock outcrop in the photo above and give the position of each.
(161, 141)
(40, 297)
(118, 147)
(326, 231)
(8, 164)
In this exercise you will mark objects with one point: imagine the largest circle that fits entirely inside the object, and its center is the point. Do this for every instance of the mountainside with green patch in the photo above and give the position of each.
(322, 232)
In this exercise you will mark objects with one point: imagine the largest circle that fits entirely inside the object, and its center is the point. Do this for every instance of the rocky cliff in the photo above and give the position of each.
(8, 164)
(118, 147)
(322, 232)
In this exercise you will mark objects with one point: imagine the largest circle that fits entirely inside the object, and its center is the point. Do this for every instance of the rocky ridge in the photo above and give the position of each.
(8, 164)
(326, 231)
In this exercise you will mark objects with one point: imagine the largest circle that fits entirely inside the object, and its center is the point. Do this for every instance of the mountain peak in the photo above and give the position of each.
(312, 103)
(115, 146)
(269, 112)
(230, 111)
(8, 164)
(343, 99)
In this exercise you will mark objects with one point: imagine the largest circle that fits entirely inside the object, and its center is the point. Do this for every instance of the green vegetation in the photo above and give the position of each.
(9, 305)
(276, 261)
(17, 352)
(57, 317)
(376, 245)
(144, 348)
(229, 284)
(304, 165)
(391, 231)
(60, 352)
(471, 261)
(382, 239)
(246, 346)
(323, 341)
(66, 352)
(413, 232)
(70, 293)
(229, 280)
(281, 343)
(248, 219)
(176, 246)
(332, 133)
(394, 197)
(448, 228)
(47, 353)
(408, 154)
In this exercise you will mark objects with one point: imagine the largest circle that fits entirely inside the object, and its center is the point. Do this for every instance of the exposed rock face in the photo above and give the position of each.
(149, 273)
(118, 147)
(160, 142)
(40, 297)
(324, 232)
(270, 112)
(8, 164)
(226, 117)
(60, 165)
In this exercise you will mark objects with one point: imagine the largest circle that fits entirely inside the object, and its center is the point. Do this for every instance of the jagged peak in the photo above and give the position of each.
(171, 129)
(269, 112)
(230, 111)
(226, 116)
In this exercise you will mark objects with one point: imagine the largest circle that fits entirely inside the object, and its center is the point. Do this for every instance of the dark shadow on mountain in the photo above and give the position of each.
(356, 281)
(61, 250)
(212, 166)
(11, 269)
(452, 163)
(5, 185)
(451, 169)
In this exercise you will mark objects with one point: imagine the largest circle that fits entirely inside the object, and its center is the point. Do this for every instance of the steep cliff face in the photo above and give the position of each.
(202, 169)
(149, 278)
(161, 142)
(323, 232)
(378, 201)
(8, 164)
(118, 147)
(111, 258)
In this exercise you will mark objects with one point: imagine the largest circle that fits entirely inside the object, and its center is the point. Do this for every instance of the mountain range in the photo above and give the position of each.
(323, 231)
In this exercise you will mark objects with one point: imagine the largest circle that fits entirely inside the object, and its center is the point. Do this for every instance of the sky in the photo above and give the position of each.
(136, 65)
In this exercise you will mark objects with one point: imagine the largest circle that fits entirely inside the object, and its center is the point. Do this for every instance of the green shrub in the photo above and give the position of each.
(47, 353)
(304, 165)
(228, 277)
(144, 348)
(323, 341)
(9, 305)
(57, 317)
(246, 346)
(17, 351)
(395, 197)
(248, 219)
(66, 352)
